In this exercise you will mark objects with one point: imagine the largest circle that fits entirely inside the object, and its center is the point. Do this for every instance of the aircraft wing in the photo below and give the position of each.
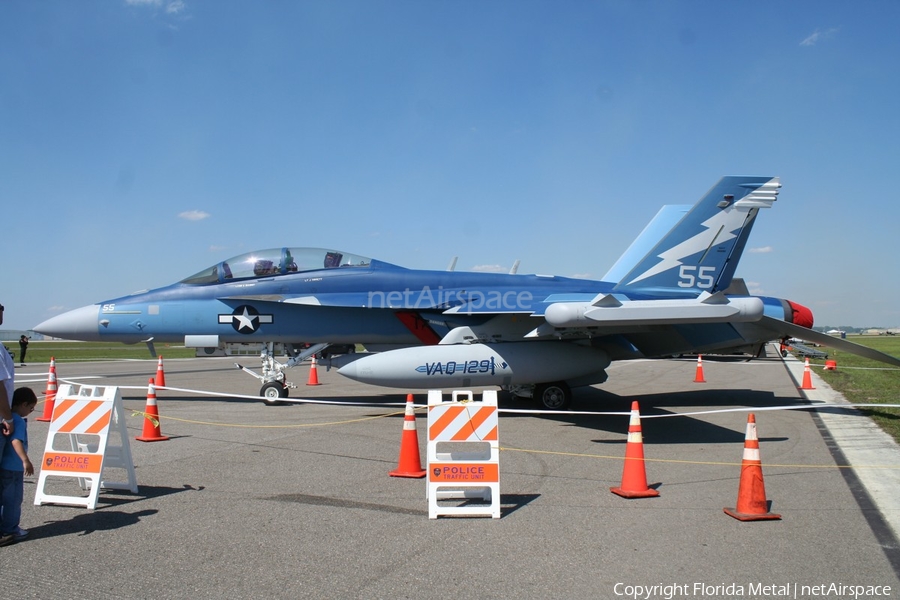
(782, 329)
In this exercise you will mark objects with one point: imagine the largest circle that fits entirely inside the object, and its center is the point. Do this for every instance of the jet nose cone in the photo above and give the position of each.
(79, 324)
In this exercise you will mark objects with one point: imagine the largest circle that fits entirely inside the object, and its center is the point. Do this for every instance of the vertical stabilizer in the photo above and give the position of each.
(667, 217)
(701, 252)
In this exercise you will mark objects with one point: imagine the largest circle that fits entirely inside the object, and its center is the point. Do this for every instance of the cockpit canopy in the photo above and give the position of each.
(275, 262)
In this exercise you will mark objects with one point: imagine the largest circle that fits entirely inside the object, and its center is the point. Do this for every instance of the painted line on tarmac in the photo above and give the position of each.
(852, 439)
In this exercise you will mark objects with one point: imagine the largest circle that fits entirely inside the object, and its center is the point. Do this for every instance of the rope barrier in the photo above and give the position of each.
(859, 368)
(699, 462)
(525, 411)
(420, 407)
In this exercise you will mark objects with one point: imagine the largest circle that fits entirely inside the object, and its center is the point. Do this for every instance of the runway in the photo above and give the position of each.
(295, 501)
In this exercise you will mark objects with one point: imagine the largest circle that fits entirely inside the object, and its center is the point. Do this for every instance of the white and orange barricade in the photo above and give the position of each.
(78, 445)
(463, 455)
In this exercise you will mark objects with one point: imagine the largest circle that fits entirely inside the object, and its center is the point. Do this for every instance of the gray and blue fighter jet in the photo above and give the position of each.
(672, 292)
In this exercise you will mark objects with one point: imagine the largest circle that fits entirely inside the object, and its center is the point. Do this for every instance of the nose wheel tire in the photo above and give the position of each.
(553, 396)
(273, 392)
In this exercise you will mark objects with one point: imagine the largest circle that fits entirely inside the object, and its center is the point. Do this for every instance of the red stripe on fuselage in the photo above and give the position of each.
(419, 327)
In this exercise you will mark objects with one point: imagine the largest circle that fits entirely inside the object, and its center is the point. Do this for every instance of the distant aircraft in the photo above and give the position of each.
(672, 292)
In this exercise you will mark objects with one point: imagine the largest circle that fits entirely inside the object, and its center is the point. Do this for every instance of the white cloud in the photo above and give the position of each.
(755, 288)
(174, 10)
(490, 268)
(817, 36)
(761, 250)
(175, 7)
(194, 215)
(171, 6)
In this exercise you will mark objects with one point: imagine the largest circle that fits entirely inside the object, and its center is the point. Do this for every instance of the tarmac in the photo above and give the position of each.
(295, 501)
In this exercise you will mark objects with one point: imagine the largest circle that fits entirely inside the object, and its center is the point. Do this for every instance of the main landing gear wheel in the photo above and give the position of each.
(553, 396)
(272, 392)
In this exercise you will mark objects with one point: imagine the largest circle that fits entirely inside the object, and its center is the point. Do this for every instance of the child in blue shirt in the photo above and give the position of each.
(14, 465)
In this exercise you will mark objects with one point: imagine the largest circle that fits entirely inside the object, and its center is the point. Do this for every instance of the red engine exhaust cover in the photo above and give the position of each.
(801, 315)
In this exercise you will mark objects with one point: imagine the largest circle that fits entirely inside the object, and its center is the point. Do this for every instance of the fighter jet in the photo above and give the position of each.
(672, 292)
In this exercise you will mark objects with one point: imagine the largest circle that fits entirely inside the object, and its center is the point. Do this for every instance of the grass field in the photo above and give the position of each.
(866, 381)
(40, 352)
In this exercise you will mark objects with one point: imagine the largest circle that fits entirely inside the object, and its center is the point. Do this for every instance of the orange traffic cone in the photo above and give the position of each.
(313, 374)
(831, 365)
(807, 377)
(634, 475)
(698, 378)
(751, 503)
(152, 432)
(409, 465)
(160, 374)
(50, 394)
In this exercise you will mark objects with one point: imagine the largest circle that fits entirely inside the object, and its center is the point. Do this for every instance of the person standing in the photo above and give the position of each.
(23, 348)
(14, 465)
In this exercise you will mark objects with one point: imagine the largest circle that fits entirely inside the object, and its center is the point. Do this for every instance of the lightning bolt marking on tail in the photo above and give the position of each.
(728, 221)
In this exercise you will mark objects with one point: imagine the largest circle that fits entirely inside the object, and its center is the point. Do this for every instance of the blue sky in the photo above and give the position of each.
(143, 140)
